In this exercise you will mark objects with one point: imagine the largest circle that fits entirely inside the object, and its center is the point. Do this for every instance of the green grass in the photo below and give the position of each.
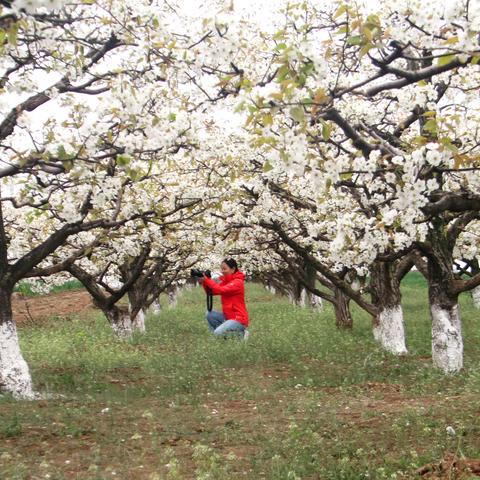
(25, 288)
(300, 399)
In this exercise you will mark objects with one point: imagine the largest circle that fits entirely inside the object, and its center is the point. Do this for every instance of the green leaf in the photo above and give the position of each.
(419, 140)
(62, 153)
(12, 34)
(447, 143)
(326, 130)
(373, 20)
(445, 60)
(268, 120)
(451, 40)
(355, 40)
(267, 167)
(134, 174)
(340, 11)
(246, 83)
(297, 113)
(282, 73)
(67, 165)
(365, 49)
(123, 160)
(308, 68)
(431, 126)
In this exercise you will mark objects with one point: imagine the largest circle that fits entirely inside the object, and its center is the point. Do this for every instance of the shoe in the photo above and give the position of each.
(246, 334)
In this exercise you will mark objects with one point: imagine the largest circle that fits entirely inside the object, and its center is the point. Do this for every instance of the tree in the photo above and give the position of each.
(71, 172)
(365, 107)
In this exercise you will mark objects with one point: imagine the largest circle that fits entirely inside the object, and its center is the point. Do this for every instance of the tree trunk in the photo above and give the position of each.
(138, 324)
(389, 330)
(121, 322)
(343, 317)
(272, 289)
(173, 295)
(476, 297)
(316, 302)
(136, 302)
(156, 308)
(388, 324)
(14, 373)
(447, 341)
(312, 300)
(475, 292)
(302, 298)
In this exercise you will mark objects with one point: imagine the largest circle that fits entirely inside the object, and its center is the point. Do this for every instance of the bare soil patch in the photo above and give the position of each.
(451, 467)
(62, 304)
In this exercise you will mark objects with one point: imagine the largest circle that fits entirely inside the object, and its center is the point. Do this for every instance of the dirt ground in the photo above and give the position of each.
(451, 467)
(29, 309)
(69, 437)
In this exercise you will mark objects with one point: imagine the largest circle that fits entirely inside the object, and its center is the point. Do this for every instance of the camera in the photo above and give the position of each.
(195, 272)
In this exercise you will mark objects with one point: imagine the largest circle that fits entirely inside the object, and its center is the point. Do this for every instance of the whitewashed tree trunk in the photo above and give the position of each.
(316, 302)
(302, 299)
(138, 323)
(156, 308)
(388, 324)
(121, 322)
(15, 375)
(389, 330)
(447, 341)
(271, 289)
(476, 297)
(173, 295)
(14, 372)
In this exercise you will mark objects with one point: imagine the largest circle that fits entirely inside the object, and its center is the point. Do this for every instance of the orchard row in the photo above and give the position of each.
(330, 148)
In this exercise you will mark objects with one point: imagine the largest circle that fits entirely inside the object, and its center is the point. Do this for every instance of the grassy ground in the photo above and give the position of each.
(299, 400)
(25, 288)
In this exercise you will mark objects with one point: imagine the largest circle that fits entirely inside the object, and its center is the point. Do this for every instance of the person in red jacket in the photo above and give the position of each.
(234, 316)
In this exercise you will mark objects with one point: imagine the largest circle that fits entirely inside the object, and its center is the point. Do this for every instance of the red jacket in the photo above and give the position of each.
(232, 291)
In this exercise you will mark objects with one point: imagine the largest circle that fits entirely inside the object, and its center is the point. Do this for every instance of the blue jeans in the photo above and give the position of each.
(222, 327)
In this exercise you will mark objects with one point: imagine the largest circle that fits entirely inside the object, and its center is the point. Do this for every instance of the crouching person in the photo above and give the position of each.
(233, 320)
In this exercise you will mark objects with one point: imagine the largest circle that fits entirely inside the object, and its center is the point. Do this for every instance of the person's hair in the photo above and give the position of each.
(231, 263)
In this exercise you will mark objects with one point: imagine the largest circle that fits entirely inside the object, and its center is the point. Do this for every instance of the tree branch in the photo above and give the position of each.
(410, 77)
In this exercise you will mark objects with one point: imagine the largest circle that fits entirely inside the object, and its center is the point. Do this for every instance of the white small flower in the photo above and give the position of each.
(451, 431)
(105, 410)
